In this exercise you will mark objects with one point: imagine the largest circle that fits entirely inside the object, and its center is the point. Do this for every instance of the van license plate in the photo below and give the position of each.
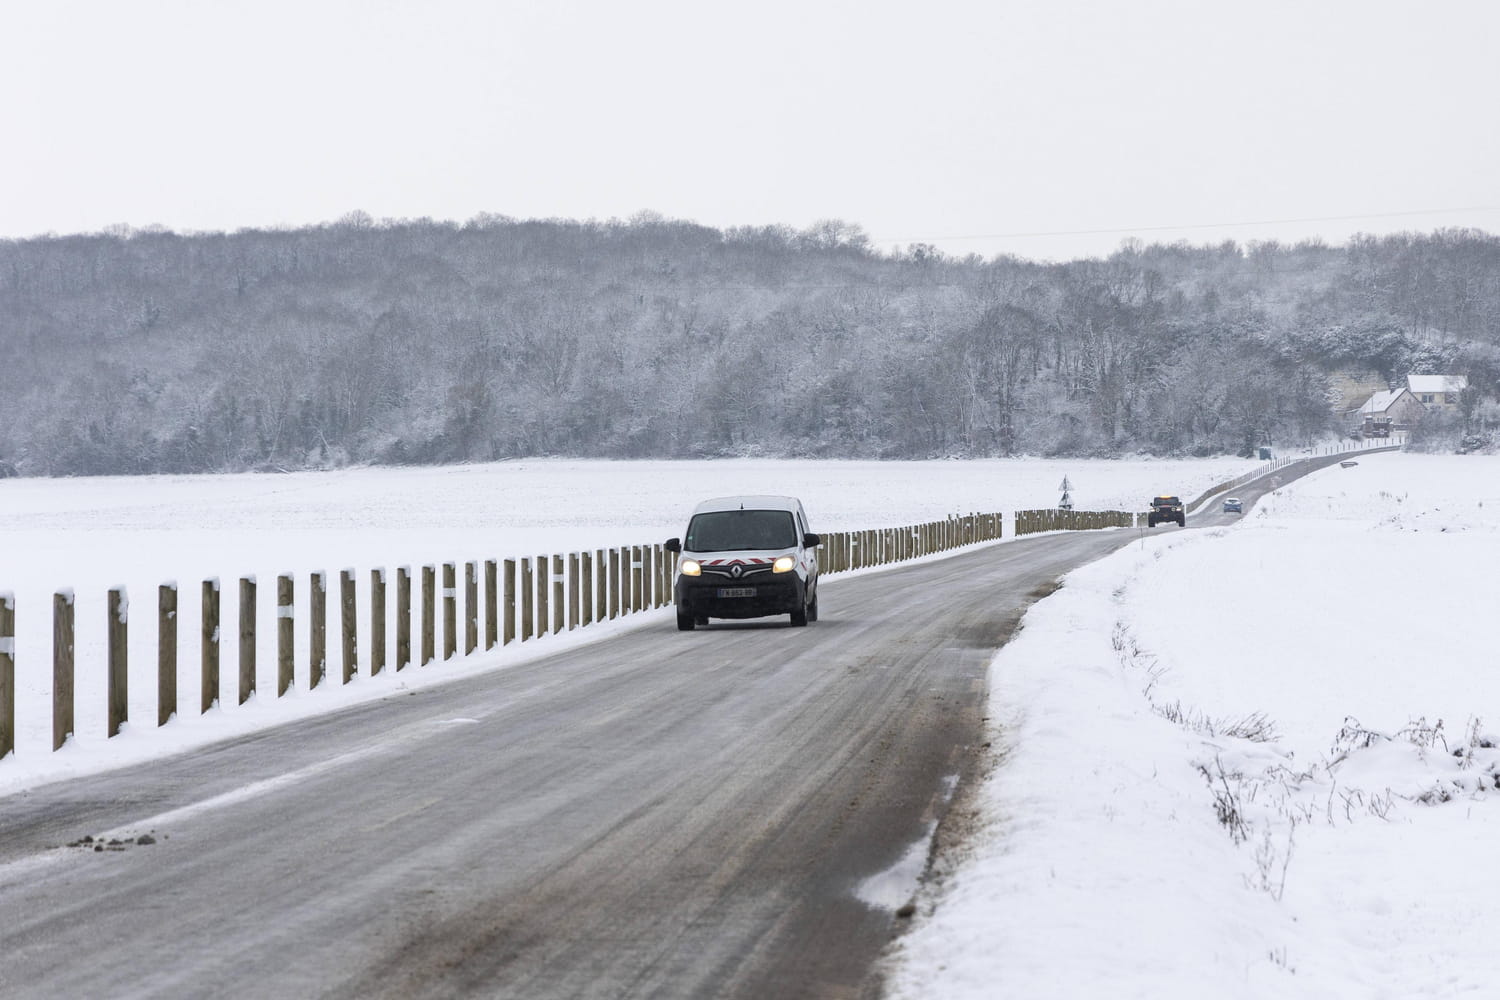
(736, 591)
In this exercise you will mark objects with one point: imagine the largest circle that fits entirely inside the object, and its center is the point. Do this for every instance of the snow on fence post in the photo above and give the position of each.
(403, 617)
(586, 587)
(527, 586)
(208, 687)
(377, 621)
(559, 596)
(118, 654)
(166, 653)
(508, 603)
(450, 610)
(317, 613)
(573, 587)
(247, 638)
(429, 614)
(491, 604)
(7, 674)
(471, 607)
(351, 628)
(62, 667)
(286, 633)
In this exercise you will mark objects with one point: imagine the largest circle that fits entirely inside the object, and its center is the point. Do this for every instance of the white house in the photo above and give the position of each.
(1437, 391)
(1398, 406)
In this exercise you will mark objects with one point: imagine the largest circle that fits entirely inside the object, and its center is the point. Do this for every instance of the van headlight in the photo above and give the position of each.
(784, 565)
(690, 567)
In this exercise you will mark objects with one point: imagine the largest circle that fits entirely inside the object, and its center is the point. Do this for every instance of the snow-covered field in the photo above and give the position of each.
(1250, 762)
(93, 534)
(1245, 762)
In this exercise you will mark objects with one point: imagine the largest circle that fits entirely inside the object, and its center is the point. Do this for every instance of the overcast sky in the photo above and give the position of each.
(1048, 129)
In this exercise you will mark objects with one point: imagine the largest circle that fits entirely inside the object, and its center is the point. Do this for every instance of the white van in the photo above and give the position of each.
(746, 557)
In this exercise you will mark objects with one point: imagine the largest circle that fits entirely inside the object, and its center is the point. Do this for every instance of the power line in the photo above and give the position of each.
(1194, 225)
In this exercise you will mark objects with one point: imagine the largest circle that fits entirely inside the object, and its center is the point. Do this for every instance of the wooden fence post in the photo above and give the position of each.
(118, 654)
(317, 613)
(7, 674)
(543, 586)
(62, 667)
(491, 604)
(247, 638)
(614, 583)
(586, 587)
(644, 601)
(166, 654)
(209, 684)
(450, 610)
(627, 592)
(601, 585)
(508, 603)
(429, 614)
(559, 598)
(471, 607)
(286, 634)
(377, 621)
(351, 628)
(573, 605)
(403, 617)
(528, 599)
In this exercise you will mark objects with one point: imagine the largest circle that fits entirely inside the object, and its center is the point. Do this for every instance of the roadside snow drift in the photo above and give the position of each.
(1247, 762)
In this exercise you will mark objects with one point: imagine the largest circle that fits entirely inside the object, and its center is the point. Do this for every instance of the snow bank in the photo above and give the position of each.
(1250, 762)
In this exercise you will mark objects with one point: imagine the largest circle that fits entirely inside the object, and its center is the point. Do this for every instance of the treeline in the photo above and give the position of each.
(426, 342)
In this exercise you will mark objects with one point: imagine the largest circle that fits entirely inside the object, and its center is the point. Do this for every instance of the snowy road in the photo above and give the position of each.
(664, 814)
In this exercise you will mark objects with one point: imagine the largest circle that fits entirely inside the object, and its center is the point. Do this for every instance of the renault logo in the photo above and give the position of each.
(736, 570)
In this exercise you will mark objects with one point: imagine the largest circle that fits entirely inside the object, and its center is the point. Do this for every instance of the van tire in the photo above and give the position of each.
(799, 617)
(684, 620)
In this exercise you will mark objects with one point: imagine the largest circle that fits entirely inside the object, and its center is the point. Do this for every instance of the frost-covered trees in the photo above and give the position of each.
(377, 341)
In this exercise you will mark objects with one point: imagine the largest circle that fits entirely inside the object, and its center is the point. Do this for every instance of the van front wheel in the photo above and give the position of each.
(684, 620)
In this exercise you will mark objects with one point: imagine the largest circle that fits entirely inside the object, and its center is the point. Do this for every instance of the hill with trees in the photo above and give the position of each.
(138, 351)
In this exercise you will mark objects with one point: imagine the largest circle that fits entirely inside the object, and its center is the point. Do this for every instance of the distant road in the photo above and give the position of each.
(662, 814)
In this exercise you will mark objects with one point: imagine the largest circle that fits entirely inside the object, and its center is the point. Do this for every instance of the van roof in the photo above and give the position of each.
(749, 502)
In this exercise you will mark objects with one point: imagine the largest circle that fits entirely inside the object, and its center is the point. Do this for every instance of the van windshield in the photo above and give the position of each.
(730, 530)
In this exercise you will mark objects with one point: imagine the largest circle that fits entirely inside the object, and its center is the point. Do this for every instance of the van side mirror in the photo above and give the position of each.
(811, 540)
(673, 545)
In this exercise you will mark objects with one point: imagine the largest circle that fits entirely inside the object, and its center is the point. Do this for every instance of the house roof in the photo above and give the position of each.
(1381, 401)
(1437, 383)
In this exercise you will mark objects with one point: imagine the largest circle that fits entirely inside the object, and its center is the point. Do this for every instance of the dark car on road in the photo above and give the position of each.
(1232, 505)
(1166, 508)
